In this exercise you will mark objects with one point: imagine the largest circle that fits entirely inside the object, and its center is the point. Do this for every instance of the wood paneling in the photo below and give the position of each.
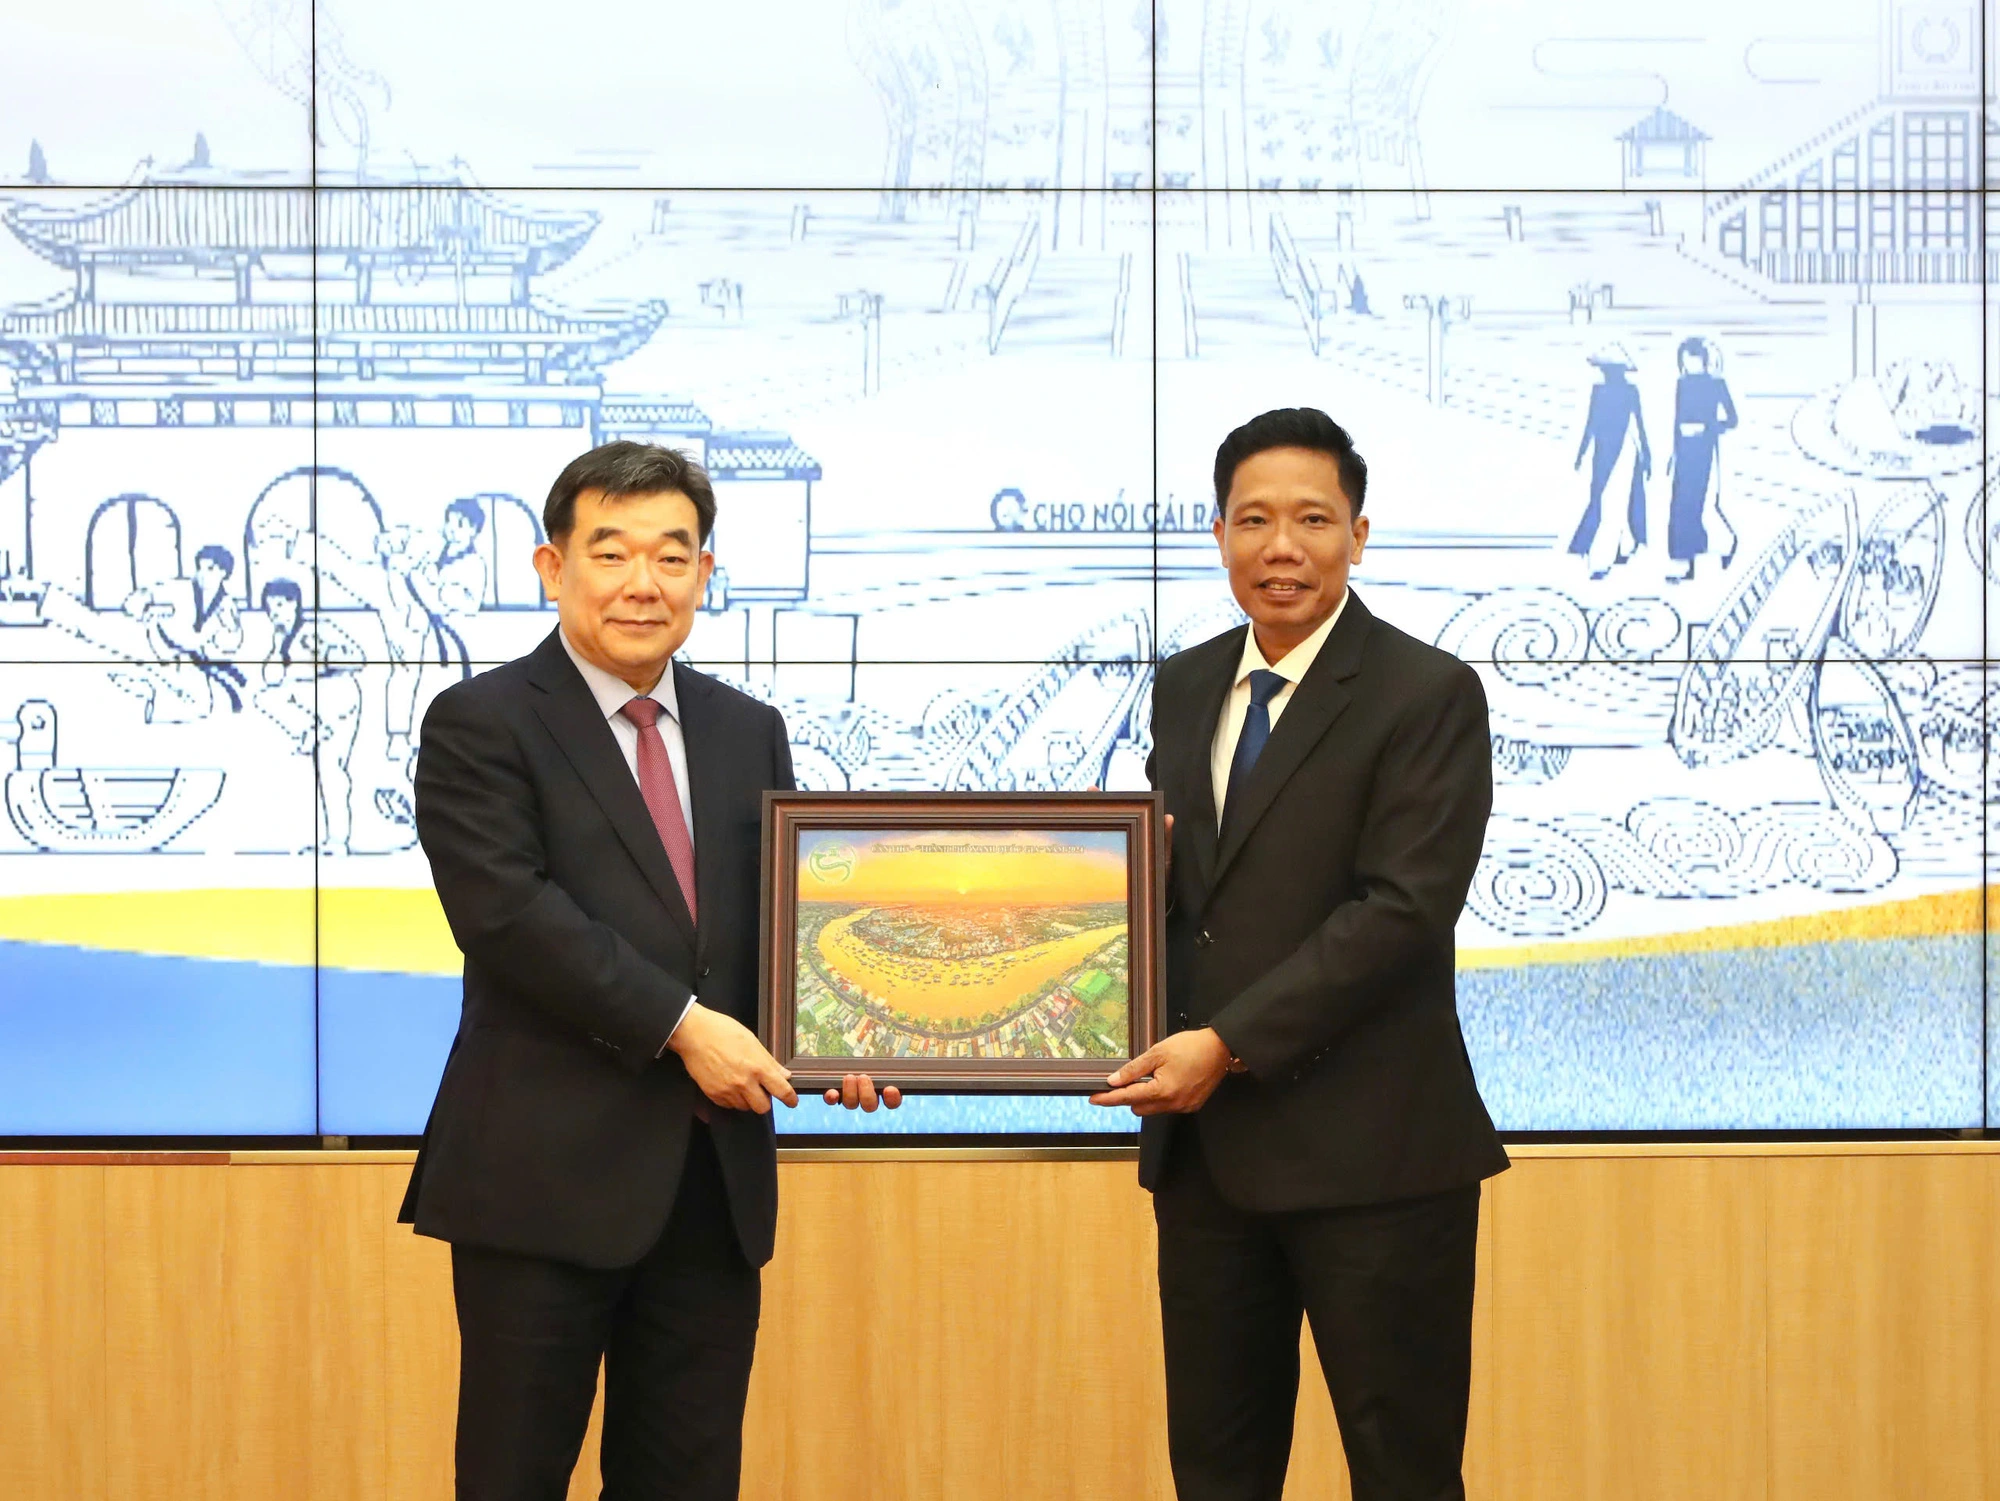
(52, 1375)
(420, 1343)
(169, 1365)
(307, 1320)
(1885, 1311)
(1793, 1324)
(854, 1329)
(1632, 1292)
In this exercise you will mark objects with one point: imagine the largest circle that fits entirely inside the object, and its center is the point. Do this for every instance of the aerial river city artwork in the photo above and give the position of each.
(981, 944)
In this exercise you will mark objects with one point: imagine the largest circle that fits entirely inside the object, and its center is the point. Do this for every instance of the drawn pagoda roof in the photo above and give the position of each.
(1663, 126)
(566, 337)
(441, 223)
(760, 453)
(667, 412)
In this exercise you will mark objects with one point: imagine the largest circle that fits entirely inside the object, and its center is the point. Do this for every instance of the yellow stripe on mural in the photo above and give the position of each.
(399, 931)
(372, 927)
(263, 927)
(1914, 917)
(404, 931)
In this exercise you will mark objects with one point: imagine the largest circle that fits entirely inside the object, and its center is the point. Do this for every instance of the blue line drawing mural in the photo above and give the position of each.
(1666, 353)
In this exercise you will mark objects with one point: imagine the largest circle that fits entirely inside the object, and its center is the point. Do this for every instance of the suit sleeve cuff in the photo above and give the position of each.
(676, 1027)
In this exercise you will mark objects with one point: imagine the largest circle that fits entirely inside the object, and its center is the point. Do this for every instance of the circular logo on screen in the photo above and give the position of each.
(832, 862)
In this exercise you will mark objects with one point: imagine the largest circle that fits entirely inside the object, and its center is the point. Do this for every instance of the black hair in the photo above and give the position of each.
(622, 469)
(220, 556)
(1292, 427)
(468, 506)
(286, 589)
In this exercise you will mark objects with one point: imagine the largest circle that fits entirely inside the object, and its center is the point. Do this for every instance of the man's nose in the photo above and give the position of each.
(643, 582)
(1283, 542)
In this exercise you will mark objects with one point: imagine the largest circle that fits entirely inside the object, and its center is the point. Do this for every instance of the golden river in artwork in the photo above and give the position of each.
(952, 989)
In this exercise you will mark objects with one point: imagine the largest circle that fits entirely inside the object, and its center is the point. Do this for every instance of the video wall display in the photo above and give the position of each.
(1668, 346)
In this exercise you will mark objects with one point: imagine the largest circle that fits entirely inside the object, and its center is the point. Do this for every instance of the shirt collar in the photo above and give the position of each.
(614, 693)
(1300, 658)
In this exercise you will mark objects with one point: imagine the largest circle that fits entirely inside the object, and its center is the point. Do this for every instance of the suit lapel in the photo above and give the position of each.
(577, 726)
(1315, 704)
(1210, 691)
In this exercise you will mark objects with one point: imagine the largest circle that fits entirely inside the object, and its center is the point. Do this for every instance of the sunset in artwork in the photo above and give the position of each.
(962, 944)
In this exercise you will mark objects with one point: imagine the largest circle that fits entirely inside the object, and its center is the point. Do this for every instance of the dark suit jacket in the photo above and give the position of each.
(558, 1131)
(1315, 933)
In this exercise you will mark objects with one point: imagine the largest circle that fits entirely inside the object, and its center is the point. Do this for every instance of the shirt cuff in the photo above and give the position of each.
(675, 1027)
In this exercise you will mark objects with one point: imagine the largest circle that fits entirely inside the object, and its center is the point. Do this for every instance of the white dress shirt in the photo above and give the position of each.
(612, 695)
(1291, 667)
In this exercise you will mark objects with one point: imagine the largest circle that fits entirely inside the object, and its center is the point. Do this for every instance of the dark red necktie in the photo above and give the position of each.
(663, 797)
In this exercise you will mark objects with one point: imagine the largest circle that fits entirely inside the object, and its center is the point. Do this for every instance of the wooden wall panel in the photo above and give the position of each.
(420, 1345)
(852, 1333)
(171, 1372)
(52, 1375)
(1786, 1323)
(1885, 1311)
(306, 1321)
(1631, 1291)
(1074, 1363)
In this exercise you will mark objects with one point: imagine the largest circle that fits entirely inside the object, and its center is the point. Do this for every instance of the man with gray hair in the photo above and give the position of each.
(601, 1154)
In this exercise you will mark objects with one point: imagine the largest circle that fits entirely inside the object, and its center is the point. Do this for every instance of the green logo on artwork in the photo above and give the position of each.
(832, 862)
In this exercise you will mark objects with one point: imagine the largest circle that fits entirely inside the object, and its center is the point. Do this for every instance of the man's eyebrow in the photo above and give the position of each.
(679, 534)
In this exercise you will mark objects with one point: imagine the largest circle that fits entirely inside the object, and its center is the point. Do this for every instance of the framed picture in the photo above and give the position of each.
(961, 943)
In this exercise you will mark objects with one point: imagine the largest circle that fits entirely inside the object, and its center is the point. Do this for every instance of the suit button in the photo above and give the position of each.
(1202, 939)
(704, 972)
(1181, 1017)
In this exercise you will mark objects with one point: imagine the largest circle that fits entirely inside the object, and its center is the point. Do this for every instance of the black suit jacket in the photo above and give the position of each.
(558, 1131)
(1315, 932)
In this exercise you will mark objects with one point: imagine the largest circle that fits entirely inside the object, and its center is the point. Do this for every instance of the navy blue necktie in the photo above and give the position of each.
(1264, 686)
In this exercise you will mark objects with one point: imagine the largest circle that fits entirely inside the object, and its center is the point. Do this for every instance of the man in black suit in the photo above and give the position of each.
(601, 1154)
(1313, 1138)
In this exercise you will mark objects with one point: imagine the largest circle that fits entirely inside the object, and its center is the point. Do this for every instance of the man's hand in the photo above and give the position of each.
(857, 1092)
(728, 1063)
(1185, 1069)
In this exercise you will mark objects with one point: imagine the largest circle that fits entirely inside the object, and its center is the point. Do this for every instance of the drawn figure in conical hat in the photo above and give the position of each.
(1621, 461)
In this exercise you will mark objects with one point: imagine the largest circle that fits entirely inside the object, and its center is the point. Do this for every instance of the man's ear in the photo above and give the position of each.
(1360, 536)
(549, 564)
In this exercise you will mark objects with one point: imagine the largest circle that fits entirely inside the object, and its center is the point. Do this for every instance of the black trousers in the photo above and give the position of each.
(676, 1334)
(1388, 1288)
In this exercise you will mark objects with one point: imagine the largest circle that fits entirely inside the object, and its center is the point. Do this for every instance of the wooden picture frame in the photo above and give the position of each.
(961, 942)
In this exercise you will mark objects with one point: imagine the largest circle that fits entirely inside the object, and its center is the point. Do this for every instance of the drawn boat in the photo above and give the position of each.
(1760, 653)
(75, 810)
(1867, 756)
(1056, 732)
